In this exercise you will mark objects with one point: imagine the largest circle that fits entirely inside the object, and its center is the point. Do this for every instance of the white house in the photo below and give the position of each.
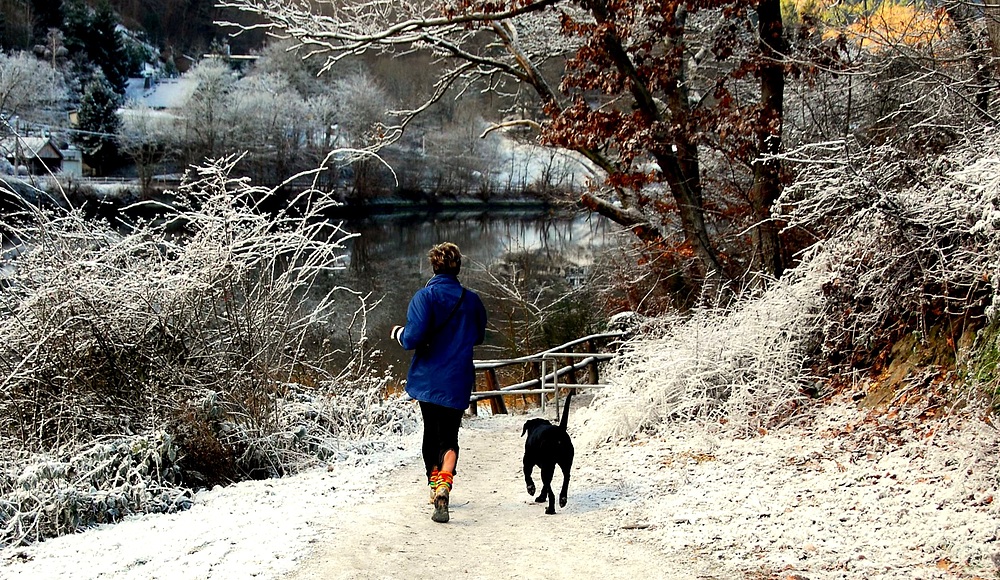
(160, 94)
(72, 162)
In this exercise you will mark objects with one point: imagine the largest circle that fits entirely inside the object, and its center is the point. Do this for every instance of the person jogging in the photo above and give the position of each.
(444, 321)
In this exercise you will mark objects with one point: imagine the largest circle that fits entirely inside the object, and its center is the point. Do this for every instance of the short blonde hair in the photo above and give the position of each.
(445, 258)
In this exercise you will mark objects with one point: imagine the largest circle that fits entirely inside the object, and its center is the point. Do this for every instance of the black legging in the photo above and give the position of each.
(440, 433)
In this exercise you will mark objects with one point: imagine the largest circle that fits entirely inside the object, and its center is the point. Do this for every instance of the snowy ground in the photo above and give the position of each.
(254, 529)
(838, 496)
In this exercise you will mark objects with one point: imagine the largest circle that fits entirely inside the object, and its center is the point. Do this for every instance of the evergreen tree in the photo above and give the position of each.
(76, 25)
(96, 35)
(99, 123)
(106, 47)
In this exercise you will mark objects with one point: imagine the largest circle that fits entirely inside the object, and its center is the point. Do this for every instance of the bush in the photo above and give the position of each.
(197, 325)
(742, 367)
(911, 246)
(49, 495)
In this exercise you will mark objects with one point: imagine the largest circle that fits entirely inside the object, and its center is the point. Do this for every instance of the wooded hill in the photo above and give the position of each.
(184, 26)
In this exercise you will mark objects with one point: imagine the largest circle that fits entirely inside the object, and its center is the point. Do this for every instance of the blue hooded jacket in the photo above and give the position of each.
(441, 371)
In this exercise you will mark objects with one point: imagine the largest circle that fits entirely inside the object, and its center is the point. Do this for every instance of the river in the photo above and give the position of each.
(535, 254)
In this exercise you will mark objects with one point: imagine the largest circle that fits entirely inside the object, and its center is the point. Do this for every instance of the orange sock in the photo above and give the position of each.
(445, 478)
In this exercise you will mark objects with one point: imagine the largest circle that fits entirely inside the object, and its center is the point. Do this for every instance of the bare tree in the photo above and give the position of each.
(913, 76)
(625, 99)
(301, 73)
(27, 85)
(269, 120)
(148, 137)
(208, 115)
(361, 106)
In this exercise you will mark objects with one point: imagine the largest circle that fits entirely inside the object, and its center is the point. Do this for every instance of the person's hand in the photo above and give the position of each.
(397, 334)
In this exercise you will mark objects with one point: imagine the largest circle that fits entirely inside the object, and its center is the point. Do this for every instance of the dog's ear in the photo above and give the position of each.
(524, 429)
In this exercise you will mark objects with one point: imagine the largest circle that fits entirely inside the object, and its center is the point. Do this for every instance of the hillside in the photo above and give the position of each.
(181, 26)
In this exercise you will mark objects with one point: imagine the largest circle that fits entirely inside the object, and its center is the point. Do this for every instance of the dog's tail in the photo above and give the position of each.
(565, 415)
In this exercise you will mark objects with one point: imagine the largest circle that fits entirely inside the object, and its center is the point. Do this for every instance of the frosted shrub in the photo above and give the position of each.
(348, 415)
(910, 245)
(741, 366)
(106, 330)
(51, 496)
(211, 324)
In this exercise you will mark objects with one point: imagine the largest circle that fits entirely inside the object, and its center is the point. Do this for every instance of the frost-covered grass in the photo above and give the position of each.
(742, 365)
(139, 360)
(835, 495)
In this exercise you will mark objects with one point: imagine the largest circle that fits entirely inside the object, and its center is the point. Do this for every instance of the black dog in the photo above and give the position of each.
(548, 445)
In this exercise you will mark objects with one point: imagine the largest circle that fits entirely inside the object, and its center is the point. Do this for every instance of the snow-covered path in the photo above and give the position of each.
(368, 517)
(253, 529)
(496, 530)
(839, 495)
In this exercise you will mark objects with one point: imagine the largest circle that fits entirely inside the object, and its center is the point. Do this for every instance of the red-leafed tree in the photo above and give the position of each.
(644, 89)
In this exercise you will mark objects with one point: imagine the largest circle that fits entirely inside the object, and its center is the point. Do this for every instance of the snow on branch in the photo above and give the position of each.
(520, 35)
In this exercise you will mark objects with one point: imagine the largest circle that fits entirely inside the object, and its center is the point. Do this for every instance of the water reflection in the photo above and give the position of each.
(389, 260)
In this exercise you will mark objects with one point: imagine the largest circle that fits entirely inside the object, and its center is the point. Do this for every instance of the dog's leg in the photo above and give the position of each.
(566, 466)
(528, 466)
(547, 472)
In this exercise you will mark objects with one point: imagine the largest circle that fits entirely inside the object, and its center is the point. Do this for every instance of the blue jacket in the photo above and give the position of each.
(441, 371)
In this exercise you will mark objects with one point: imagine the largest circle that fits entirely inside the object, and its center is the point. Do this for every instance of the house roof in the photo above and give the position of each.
(40, 147)
(163, 94)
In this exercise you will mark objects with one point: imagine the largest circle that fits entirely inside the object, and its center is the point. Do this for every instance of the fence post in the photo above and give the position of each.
(571, 375)
(536, 369)
(492, 384)
(571, 379)
(592, 371)
(474, 405)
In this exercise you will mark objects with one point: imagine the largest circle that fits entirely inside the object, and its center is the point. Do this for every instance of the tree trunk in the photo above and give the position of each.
(960, 15)
(676, 156)
(993, 25)
(767, 253)
(682, 174)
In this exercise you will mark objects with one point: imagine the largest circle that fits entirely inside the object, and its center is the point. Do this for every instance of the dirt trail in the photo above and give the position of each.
(496, 530)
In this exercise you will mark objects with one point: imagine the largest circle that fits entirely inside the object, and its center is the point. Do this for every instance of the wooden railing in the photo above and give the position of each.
(549, 375)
